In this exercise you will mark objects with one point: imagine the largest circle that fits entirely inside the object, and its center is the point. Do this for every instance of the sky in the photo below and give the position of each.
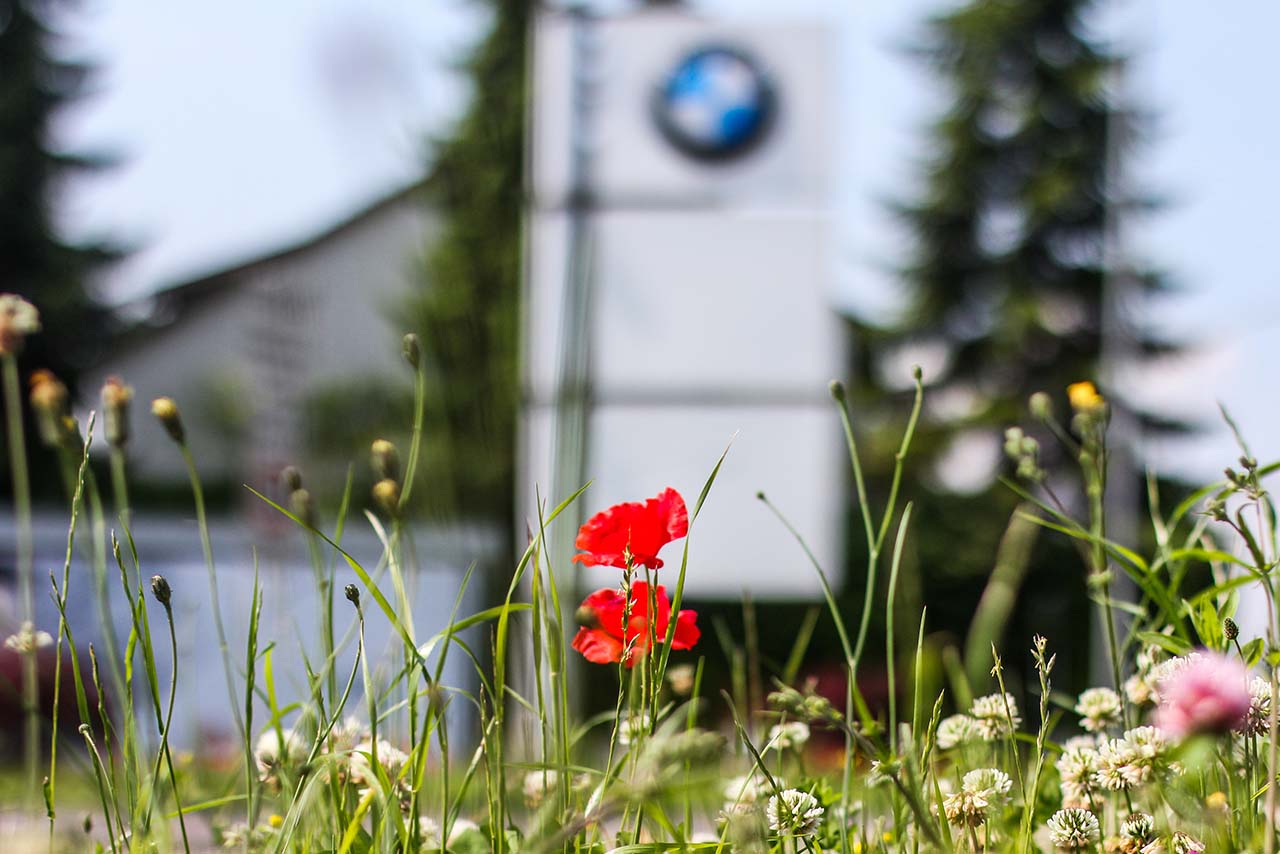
(242, 126)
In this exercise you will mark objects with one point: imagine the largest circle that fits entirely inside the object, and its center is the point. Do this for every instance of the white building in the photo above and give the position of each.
(243, 349)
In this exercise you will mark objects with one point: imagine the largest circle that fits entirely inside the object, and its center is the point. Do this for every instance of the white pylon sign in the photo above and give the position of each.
(678, 286)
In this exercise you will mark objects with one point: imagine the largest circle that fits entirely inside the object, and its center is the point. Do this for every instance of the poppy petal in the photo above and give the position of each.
(640, 528)
(687, 632)
(598, 646)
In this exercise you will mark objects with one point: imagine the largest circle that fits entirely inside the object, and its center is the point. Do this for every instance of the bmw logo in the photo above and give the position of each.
(716, 103)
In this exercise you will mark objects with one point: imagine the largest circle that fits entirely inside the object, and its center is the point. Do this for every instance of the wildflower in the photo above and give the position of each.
(996, 716)
(116, 397)
(1181, 843)
(537, 784)
(681, 678)
(1134, 760)
(1084, 397)
(632, 728)
(602, 639)
(956, 730)
(1138, 827)
(18, 319)
(27, 640)
(747, 789)
(1073, 829)
(965, 808)
(164, 409)
(790, 735)
(1024, 451)
(276, 751)
(1217, 802)
(1098, 708)
(632, 533)
(390, 758)
(244, 837)
(1208, 695)
(275, 820)
(1258, 719)
(1077, 767)
(991, 783)
(794, 813)
(49, 402)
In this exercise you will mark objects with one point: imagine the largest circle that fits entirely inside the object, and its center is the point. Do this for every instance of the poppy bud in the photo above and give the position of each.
(160, 589)
(49, 402)
(385, 459)
(1230, 629)
(353, 594)
(587, 617)
(116, 397)
(166, 410)
(837, 390)
(412, 350)
(386, 494)
(291, 478)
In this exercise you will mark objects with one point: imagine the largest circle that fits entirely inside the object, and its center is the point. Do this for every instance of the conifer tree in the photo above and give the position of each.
(1005, 293)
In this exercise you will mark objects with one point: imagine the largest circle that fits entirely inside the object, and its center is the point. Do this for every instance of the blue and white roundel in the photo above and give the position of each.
(716, 103)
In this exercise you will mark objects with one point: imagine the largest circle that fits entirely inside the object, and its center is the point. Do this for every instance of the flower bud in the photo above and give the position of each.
(1230, 629)
(18, 319)
(49, 402)
(160, 589)
(116, 397)
(412, 350)
(87, 824)
(353, 594)
(1041, 406)
(302, 505)
(386, 494)
(836, 388)
(166, 410)
(291, 478)
(385, 459)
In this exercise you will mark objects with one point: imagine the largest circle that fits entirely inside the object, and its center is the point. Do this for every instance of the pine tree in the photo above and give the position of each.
(35, 260)
(468, 310)
(1006, 288)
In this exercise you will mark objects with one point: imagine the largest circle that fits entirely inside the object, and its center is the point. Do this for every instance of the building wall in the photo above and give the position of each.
(240, 359)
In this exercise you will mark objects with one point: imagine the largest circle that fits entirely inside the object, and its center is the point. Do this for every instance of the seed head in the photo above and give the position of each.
(385, 459)
(353, 594)
(166, 410)
(1230, 629)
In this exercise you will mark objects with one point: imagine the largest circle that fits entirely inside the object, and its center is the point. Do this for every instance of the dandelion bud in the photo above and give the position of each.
(160, 589)
(1230, 628)
(302, 505)
(49, 402)
(386, 494)
(116, 397)
(353, 594)
(836, 388)
(166, 410)
(18, 319)
(386, 460)
(412, 350)
(291, 478)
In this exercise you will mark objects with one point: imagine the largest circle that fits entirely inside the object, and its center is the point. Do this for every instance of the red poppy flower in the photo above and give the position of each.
(603, 641)
(640, 528)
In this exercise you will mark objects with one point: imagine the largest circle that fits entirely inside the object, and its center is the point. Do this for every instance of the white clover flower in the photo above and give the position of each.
(537, 784)
(996, 716)
(964, 808)
(991, 783)
(27, 640)
(459, 827)
(956, 730)
(429, 832)
(1181, 843)
(1115, 765)
(1166, 670)
(1138, 827)
(791, 735)
(271, 753)
(747, 789)
(345, 735)
(1098, 708)
(1083, 742)
(1258, 720)
(794, 813)
(1073, 830)
(680, 678)
(1134, 760)
(1077, 767)
(632, 728)
(1138, 690)
(391, 759)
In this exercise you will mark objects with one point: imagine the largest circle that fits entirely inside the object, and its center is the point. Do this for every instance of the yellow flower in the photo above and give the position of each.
(276, 820)
(1216, 802)
(1084, 397)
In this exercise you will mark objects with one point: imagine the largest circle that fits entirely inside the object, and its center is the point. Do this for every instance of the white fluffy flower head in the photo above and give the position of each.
(794, 813)
(27, 639)
(1098, 708)
(956, 730)
(996, 716)
(1073, 829)
(792, 735)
